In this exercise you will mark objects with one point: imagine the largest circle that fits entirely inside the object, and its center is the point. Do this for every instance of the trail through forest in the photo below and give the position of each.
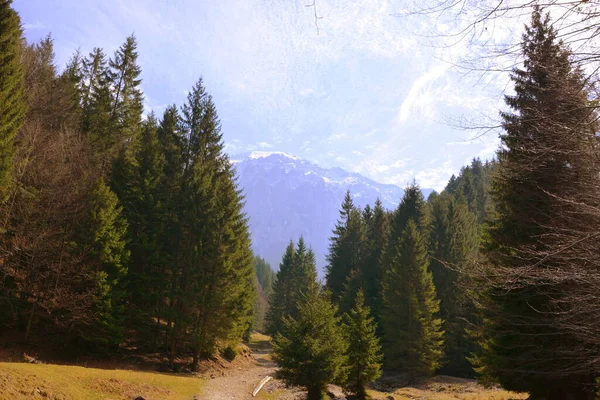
(240, 382)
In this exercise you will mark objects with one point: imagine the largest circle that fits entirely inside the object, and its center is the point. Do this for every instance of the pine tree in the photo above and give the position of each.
(411, 207)
(12, 102)
(296, 277)
(546, 176)
(412, 331)
(108, 230)
(453, 245)
(96, 103)
(376, 237)
(280, 301)
(265, 277)
(71, 79)
(364, 351)
(213, 242)
(127, 99)
(311, 350)
(304, 273)
(345, 249)
(147, 222)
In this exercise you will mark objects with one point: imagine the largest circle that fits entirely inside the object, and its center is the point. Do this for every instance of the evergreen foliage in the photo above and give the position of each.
(96, 102)
(265, 277)
(364, 351)
(108, 230)
(413, 335)
(376, 238)
(295, 278)
(12, 103)
(213, 250)
(454, 244)
(311, 349)
(345, 253)
(545, 177)
(119, 225)
(127, 99)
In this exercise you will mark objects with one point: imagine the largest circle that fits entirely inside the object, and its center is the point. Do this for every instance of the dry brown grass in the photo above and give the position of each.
(448, 388)
(60, 382)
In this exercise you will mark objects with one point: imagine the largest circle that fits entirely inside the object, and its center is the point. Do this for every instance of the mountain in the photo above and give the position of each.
(287, 197)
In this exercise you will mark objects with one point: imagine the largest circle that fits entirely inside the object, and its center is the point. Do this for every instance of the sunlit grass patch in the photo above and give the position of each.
(61, 382)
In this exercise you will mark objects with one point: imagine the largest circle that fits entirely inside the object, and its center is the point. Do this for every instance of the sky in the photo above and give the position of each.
(367, 91)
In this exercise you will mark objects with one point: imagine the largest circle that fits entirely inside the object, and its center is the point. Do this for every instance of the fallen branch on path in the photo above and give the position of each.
(261, 384)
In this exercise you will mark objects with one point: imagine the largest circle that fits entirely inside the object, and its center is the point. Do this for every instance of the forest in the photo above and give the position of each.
(120, 227)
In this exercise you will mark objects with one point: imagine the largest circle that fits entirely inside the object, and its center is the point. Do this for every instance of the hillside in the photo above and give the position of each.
(287, 196)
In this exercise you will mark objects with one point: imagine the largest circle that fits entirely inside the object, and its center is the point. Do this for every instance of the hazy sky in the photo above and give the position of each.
(365, 94)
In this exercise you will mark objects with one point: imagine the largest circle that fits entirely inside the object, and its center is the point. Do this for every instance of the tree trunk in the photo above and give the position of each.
(29, 321)
(315, 393)
(196, 362)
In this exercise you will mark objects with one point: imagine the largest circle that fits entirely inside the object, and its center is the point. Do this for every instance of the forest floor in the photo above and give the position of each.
(219, 380)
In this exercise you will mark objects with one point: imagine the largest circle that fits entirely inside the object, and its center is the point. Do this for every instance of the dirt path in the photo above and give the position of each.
(236, 385)
(239, 383)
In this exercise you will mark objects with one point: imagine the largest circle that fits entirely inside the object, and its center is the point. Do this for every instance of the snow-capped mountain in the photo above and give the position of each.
(287, 197)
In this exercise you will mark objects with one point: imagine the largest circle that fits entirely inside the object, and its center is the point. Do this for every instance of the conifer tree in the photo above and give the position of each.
(96, 103)
(364, 351)
(546, 177)
(127, 99)
(264, 287)
(453, 245)
(213, 251)
(296, 277)
(411, 207)
(376, 237)
(147, 222)
(304, 272)
(108, 229)
(12, 103)
(264, 274)
(281, 301)
(345, 249)
(413, 336)
(311, 350)
(71, 79)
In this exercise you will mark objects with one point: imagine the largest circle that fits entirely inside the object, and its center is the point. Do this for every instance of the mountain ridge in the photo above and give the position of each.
(288, 197)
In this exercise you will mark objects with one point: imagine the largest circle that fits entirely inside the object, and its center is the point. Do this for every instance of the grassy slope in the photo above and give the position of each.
(27, 381)
(449, 388)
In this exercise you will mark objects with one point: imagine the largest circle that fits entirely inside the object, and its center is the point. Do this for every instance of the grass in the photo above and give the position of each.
(59, 382)
(449, 388)
(264, 395)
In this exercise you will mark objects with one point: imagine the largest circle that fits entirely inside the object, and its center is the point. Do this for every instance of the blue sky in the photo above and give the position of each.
(368, 93)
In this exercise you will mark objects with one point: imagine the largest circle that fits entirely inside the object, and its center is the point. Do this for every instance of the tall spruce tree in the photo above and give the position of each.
(364, 351)
(12, 102)
(345, 250)
(453, 245)
(127, 99)
(311, 349)
(265, 277)
(96, 103)
(281, 301)
(108, 235)
(216, 277)
(545, 170)
(147, 222)
(295, 278)
(376, 237)
(413, 335)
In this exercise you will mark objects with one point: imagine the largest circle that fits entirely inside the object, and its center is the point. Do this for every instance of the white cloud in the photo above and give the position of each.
(418, 99)
(337, 136)
(306, 92)
(265, 145)
(37, 25)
